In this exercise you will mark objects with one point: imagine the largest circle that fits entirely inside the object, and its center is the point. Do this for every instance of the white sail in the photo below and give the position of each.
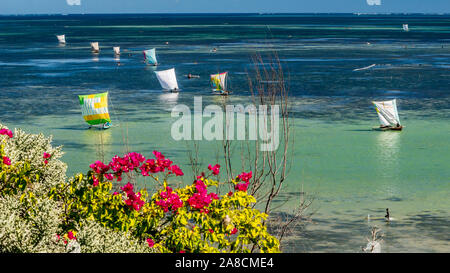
(405, 27)
(116, 50)
(387, 112)
(95, 47)
(167, 79)
(61, 38)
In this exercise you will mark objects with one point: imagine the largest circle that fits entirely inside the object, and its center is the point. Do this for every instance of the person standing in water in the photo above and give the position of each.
(387, 216)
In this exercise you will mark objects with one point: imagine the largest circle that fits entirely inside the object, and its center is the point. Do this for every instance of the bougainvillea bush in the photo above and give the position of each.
(101, 211)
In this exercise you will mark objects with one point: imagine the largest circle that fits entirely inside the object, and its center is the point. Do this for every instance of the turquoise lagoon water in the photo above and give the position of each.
(350, 170)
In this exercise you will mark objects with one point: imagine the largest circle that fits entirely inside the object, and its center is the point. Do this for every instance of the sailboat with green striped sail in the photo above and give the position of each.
(94, 109)
(219, 83)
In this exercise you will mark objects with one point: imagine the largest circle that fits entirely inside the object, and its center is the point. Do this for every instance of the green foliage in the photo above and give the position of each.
(187, 229)
(43, 211)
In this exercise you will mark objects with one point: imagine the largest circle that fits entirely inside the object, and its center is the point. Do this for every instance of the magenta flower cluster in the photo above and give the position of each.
(170, 200)
(245, 177)
(135, 162)
(215, 169)
(159, 164)
(201, 199)
(133, 199)
(6, 160)
(6, 132)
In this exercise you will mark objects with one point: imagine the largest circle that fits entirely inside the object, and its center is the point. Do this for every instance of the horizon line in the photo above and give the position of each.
(230, 13)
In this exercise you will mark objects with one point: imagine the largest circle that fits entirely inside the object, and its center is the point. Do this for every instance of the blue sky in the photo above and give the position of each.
(218, 6)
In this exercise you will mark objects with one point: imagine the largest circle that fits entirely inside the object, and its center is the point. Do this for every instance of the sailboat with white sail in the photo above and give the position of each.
(94, 47)
(405, 27)
(168, 80)
(388, 115)
(150, 57)
(219, 83)
(61, 38)
(116, 50)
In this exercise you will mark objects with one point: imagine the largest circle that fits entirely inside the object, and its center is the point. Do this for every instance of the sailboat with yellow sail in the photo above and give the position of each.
(219, 83)
(94, 109)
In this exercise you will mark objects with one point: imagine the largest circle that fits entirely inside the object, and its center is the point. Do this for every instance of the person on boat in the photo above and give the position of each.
(387, 215)
(190, 76)
(214, 49)
(398, 125)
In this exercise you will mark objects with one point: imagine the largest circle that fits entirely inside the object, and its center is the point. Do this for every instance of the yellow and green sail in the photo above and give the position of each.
(218, 81)
(94, 108)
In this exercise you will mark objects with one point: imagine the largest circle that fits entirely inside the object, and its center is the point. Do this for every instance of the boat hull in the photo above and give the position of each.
(387, 128)
(221, 92)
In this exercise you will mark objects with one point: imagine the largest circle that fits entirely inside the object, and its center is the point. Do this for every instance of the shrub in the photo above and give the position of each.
(43, 211)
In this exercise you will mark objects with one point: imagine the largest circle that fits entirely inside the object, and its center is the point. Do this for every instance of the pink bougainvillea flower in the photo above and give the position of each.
(6, 132)
(245, 176)
(127, 188)
(214, 196)
(234, 231)
(71, 236)
(182, 251)
(47, 155)
(125, 164)
(96, 181)
(6, 161)
(241, 187)
(170, 200)
(109, 176)
(134, 200)
(211, 231)
(158, 155)
(230, 193)
(176, 170)
(201, 199)
(215, 169)
(150, 242)
(46, 162)
(99, 167)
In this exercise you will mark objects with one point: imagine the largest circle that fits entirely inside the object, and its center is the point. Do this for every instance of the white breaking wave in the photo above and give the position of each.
(364, 68)
(73, 2)
(373, 2)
